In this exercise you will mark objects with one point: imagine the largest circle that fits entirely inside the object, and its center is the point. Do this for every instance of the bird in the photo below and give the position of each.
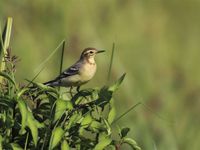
(79, 73)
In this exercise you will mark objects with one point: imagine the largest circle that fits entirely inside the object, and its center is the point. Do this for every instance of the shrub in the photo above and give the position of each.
(41, 117)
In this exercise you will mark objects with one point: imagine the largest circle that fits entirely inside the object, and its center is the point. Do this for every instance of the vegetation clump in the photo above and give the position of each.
(37, 116)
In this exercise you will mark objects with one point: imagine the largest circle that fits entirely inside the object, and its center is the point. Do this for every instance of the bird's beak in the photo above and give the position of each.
(100, 51)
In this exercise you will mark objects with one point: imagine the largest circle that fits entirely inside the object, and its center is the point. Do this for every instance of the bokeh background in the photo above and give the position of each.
(157, 45)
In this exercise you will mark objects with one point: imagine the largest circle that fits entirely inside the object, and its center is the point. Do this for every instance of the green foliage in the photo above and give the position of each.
(41, 117)
(156, 43)
(5, 41)
(56, 136)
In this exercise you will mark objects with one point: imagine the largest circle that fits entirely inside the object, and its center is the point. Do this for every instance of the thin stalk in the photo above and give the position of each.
(126, 112)
(47, 59)
(111, 62)
(44, 142)
(1, 39)
(26, 142)
(31, 81)
(61, 59)
(62, 56)
(42, 65)
(157, 115)
(49, 127)
(13, 117)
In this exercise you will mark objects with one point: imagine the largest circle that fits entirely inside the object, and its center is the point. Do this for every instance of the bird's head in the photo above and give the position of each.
(90, 53)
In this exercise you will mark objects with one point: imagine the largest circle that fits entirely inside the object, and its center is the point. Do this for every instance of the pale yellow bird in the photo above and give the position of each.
(79, 73)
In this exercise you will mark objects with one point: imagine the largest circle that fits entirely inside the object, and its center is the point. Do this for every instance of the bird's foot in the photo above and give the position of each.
(70, 91)
(78, 89)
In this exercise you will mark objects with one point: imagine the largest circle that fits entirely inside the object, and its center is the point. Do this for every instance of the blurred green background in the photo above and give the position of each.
(157, 45)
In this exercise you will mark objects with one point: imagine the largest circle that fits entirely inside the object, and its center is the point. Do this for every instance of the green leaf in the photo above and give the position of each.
(77, 98)
(1, 141)
(116, 85)
(24, 115)
(56, 137)
(108, 128)
(85, 123)
(103, 141)
(8, 77)
(32, 124)
(28, 120)
(15, 146)
(124, 132)
(73, 119)
(112, 112)
(44, 87)
(6, 102)
(132, 143)
(110, 147)
(104, 97)
(65, 145)
(61, 107)
(21, 92)
(96, 126)
(86, 120)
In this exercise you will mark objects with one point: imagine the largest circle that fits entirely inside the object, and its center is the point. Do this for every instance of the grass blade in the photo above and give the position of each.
(126, 112)
(5, 41)
(5, 36)
(62, 56)
(61, 59)
(8, 77)
(47, 59)
(111, 62)
(116, 85)
(31, 81)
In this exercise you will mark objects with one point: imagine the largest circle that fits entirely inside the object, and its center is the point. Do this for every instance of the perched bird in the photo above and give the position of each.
(79, 73)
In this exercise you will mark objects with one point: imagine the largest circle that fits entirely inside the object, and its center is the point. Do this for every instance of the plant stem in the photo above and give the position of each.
(111, 62)
(126, 112)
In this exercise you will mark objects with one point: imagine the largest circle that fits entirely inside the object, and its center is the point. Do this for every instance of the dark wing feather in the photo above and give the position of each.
(74, 69)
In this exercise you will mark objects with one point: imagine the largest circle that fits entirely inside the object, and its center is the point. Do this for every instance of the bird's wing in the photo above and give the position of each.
(74, 69)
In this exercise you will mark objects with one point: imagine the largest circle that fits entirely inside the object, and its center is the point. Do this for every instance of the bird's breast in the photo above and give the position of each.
(87, 72)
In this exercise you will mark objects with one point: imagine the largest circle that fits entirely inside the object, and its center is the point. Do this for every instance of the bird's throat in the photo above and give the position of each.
(90, 60)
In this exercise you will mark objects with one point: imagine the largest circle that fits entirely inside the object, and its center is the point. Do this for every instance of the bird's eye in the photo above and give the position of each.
(91, 52)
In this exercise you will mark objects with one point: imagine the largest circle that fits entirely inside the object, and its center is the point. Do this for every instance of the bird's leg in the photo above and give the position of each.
(78, 89)
(70, 91)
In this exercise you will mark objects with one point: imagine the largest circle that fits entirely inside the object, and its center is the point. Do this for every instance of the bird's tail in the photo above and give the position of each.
(52, 83)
